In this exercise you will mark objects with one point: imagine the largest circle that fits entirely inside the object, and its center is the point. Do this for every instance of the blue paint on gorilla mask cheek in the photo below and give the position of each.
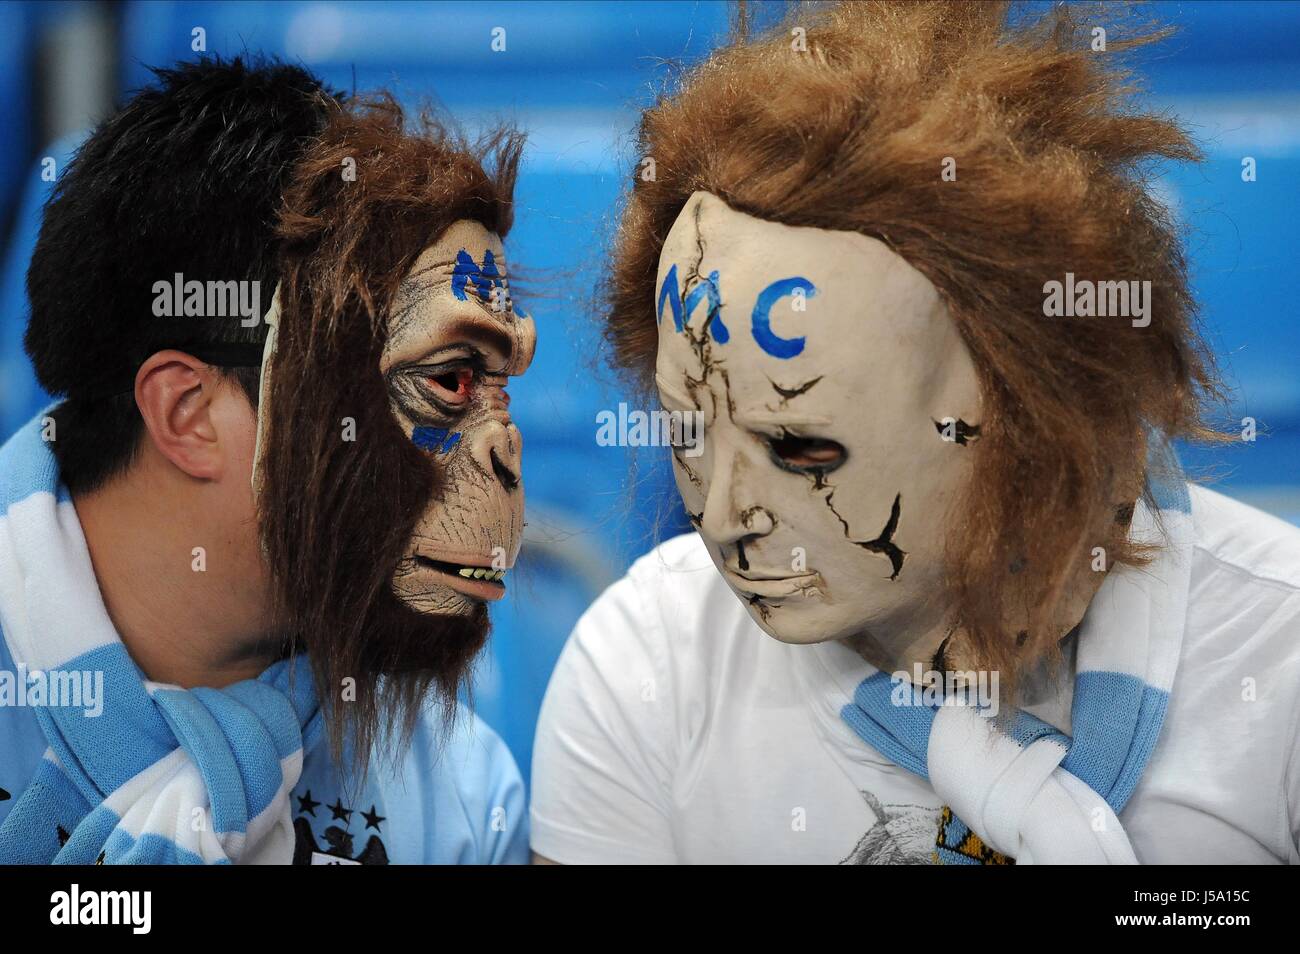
(434, 439)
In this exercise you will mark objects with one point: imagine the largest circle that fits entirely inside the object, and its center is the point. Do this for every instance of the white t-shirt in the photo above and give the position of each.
(675, 730)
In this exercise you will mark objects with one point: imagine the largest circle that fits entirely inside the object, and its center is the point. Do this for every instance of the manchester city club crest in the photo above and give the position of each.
(336, 845)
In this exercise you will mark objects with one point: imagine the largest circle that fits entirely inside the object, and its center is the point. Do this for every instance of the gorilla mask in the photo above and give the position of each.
(388, 469)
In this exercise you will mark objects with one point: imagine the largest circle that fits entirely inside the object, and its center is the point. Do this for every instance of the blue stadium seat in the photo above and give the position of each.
(16, 47)
(20, 395)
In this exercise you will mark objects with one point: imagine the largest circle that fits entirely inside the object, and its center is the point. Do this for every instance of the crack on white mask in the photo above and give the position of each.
(884, 542)
(787, 394)
(962, 433)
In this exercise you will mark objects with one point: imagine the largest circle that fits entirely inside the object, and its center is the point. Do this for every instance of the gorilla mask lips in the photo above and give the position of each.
(477, 580)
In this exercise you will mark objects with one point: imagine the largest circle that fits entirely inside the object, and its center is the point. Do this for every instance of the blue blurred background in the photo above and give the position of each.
(574, 75)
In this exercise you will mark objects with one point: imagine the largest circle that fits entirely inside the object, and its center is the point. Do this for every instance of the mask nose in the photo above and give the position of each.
(524, 333)
(731, 513)
(498, 450)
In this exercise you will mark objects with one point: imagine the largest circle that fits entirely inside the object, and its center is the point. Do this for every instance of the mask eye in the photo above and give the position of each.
(454, 386)
(807, 453)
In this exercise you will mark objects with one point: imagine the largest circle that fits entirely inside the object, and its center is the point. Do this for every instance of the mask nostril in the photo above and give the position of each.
(509, 479)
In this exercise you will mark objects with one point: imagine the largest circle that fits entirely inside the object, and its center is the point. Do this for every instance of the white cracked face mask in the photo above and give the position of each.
(841, 411)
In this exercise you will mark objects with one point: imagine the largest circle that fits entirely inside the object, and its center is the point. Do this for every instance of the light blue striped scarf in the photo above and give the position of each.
(162, 775)
(1025, 790)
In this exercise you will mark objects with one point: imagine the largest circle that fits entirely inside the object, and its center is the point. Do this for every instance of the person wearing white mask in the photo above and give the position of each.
(950, 599)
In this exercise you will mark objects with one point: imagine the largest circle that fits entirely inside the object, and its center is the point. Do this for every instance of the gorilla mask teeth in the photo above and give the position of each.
(459, 569)
(478, 573)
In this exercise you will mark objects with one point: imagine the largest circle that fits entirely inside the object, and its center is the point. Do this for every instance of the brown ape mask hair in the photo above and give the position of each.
(387, 473)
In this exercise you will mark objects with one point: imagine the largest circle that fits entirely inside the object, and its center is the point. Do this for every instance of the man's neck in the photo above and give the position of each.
(188, 617)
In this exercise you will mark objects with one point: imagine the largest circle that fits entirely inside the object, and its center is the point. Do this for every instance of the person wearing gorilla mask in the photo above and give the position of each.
(263, 524)
(950, 599)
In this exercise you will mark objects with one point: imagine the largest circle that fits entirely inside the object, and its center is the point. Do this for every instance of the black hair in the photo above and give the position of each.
(186, 178)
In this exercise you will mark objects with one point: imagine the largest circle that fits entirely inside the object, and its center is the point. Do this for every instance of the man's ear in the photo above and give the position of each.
(174, 392)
